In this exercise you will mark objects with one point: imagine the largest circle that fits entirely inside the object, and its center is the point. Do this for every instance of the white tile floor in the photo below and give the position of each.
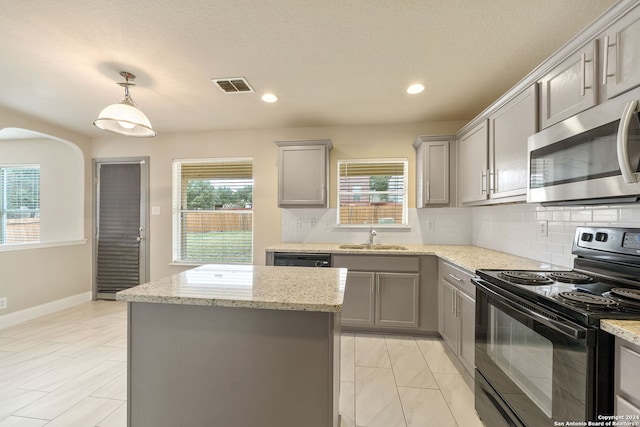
(69, 369)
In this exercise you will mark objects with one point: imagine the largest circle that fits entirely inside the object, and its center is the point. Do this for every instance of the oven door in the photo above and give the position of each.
(535, 368)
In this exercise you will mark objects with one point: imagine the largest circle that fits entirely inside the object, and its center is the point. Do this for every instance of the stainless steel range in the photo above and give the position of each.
(540, 355)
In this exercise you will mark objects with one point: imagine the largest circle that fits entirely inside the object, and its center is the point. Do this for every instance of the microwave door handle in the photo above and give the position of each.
(628, 173)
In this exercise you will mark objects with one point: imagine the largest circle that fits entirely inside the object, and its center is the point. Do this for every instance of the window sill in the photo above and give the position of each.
(374, 226)
(198, 264)
(40, 245)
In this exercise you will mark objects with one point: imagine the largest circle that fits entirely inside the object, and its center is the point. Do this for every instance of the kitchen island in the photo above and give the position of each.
(229, 345)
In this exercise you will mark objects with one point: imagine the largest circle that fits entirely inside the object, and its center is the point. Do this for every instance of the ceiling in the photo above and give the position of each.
(330, 62)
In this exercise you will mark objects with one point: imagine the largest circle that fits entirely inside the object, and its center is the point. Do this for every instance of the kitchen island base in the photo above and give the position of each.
(227, 366)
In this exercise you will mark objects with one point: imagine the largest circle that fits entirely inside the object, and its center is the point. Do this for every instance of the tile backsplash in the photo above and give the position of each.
(528, 230)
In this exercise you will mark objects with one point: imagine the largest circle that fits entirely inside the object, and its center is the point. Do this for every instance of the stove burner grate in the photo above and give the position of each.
(633, 294)
(525, 278)
(587, 300)
(570, 277)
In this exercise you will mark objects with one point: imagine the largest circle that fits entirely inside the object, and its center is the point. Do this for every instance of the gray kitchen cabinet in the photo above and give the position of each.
(358, 305)
(450, 329)
(432, 170)
(456, 312)
(390, 288)
(627, 372)
(621, 55)
(509, 128)
(570, 87)
(397, 299)
(473, 165)
(303, 173)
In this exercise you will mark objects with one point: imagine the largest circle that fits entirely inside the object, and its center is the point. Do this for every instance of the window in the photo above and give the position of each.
(19, 204)
(213, 217)
(372, 192)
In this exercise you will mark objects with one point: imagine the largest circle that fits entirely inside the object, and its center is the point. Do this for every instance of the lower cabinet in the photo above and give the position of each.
(384, 299)
(456, 312)
(385, 293)
(627, 387)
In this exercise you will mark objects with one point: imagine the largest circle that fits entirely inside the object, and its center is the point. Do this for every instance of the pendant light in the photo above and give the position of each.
(125, 118)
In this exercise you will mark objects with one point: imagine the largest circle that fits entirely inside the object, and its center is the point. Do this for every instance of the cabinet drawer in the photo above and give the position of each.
(401, 264)
(458, 277)
(629, 386)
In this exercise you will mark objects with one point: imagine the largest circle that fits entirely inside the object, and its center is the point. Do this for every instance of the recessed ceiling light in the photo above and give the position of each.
(269, 97)
(415, 88)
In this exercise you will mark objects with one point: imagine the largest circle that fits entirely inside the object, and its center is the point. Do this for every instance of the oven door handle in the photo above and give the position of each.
(561, 327)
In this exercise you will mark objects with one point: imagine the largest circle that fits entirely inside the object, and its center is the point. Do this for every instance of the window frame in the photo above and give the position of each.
(4, 211)
(177, 199)
(405, 192)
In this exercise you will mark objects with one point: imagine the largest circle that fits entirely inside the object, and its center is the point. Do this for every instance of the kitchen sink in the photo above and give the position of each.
(374, 247)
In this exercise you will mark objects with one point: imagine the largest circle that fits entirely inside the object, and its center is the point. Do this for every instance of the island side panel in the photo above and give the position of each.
(201, 366)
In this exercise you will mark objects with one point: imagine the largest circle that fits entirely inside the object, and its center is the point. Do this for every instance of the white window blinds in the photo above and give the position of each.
(213, 217)
(19, 204)
(372, 192)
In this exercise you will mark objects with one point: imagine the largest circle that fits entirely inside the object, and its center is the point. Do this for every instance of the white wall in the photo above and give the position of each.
(34, 277)
(61, 184)
(348, 141)
(515, 228)
(511, 228)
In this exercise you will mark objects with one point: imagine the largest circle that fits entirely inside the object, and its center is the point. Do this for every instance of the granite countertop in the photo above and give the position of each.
(470, 258)
(628, 330)
(248, 286)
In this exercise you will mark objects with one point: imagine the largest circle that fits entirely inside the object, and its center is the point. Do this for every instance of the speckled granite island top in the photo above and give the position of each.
(248, 286)
(470, 258)
(628, 330)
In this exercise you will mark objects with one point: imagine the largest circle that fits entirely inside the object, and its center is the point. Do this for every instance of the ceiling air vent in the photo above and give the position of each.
(233, 85)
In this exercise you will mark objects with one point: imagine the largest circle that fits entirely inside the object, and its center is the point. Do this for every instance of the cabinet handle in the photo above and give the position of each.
(455, 301)
(605, 62)
(457, 304)
(494, 181)
(484, 182)
(428, 188)
(457, 279)
(583, 74)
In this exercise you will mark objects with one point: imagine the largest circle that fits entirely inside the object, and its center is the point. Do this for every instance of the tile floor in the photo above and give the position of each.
(69, 369)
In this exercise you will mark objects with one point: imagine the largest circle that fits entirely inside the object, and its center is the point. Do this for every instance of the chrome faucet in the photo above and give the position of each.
(372, 234)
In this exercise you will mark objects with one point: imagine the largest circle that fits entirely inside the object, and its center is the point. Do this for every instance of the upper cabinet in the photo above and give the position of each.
(570, 87)
(509, 128)
(621, 55)
(433, 170)
(303, 173)
(473, 164)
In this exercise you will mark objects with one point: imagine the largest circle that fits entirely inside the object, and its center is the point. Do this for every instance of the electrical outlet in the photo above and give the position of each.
(430, 225)
(542, 229)
(3, 303)
(312, 222)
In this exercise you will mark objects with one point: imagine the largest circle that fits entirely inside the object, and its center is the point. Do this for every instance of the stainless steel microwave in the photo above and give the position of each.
(590, 158)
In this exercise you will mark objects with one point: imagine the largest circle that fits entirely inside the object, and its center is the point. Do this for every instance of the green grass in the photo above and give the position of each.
(218, 247)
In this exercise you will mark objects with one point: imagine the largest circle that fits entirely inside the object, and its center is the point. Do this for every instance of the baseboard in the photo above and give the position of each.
(43, 309)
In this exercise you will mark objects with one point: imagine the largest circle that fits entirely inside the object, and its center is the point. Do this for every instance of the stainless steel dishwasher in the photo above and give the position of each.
(301, 259)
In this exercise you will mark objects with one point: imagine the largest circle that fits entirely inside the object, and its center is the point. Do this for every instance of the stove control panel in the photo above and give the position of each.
(603, 242)
(631, 240)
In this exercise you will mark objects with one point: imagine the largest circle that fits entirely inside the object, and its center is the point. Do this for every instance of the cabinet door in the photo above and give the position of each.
(473, 164)
(397, 299)
(302, 176)
(570, 87)
(509, 129)
(621, 55)
(450, 326)
(357, 307)
(433, 174)
(467, 317)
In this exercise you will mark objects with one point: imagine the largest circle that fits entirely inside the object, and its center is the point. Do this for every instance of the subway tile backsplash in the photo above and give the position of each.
(528, 230)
